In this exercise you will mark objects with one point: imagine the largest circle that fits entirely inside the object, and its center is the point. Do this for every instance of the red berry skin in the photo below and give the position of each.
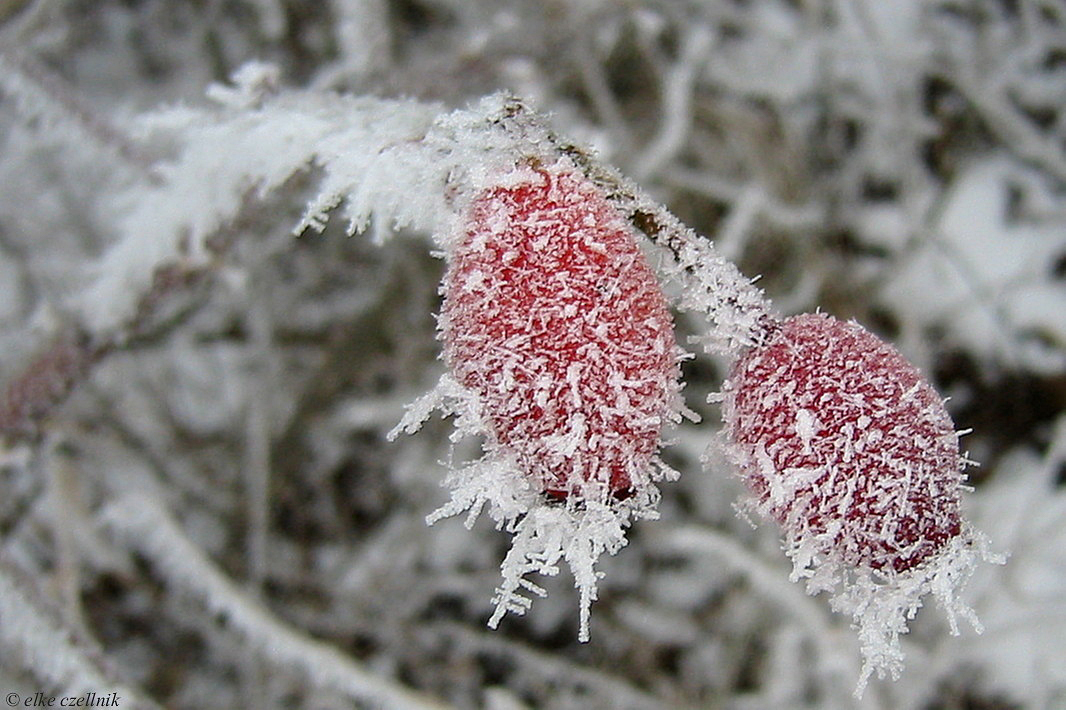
(553, 318)
(845, 444)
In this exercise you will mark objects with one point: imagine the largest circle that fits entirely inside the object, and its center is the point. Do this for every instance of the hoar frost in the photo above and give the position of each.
(562, 361)
(851, 451)
(562, 357)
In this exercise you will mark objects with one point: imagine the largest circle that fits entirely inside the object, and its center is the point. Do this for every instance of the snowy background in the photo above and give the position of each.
(198, 503)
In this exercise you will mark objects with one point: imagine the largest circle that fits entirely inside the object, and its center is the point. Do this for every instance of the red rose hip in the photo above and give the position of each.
(553, 318)
(845, 444)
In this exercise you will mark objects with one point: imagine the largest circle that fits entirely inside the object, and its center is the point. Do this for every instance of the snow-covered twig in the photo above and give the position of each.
(50, 653)
(146, 526)
(546, 667)
(835, 659)
(41, 95)
(677, 87)
(1016, 132)
(44, 383)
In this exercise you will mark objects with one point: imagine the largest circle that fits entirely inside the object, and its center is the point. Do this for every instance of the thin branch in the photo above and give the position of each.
(677, 87)
(50, 652)
(1012, 128)
(145, 525)
(53, 374)
(40, 92)
(548, 666)
(837, 662)
(46, 382)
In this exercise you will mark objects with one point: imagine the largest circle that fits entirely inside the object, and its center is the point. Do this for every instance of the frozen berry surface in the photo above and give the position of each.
(845, 444)
(552, 316)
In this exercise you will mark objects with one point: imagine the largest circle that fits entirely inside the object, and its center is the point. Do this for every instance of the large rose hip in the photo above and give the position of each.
(845, 444)
(552, 316)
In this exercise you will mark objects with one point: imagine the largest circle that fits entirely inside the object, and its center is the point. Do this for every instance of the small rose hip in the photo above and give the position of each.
(553, 318)
(845, 444)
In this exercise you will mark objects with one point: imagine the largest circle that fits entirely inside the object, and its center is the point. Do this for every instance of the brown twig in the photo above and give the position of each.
(53, 373)
(49, 378)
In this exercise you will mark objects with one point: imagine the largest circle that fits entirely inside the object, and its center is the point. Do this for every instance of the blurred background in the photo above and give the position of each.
(901, 163)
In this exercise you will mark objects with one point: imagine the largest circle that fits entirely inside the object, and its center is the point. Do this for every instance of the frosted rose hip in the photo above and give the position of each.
(553, 317)
(845, 444)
